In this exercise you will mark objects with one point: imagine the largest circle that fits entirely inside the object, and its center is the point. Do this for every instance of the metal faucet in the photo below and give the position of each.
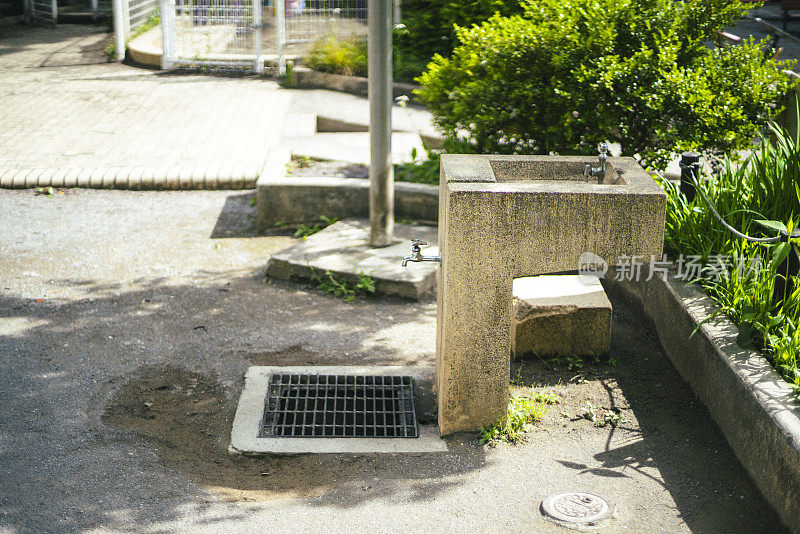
(600, 171)
(416, 253)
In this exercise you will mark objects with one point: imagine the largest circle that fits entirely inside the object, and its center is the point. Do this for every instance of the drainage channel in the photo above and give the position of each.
(336, 409)
(340, 406)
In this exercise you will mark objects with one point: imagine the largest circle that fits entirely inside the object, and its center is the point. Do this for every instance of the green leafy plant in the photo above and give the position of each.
(340, 288)
(610, 418)
(572, 362)
(591, 412)
(421, 172)
(110, 51)
(568, 74)
(429, 27)
(305, 229)
(46, 191)
(759, 197)
(523, 411)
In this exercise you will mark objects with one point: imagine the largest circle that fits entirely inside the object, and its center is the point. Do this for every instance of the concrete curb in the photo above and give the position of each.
(291, 200)
(753, 406)
(135, 178)
(305, 78)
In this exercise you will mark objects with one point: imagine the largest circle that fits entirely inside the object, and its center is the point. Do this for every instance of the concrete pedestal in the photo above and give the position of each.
(505, 217)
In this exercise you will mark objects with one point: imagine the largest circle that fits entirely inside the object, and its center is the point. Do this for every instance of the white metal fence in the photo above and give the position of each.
(215, 33)
(128, 16)
(139, 11)
(246, 33)
(41, 12)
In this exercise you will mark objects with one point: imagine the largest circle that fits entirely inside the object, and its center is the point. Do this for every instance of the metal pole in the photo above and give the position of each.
(280, 34)
(54, 7)
(168, 29)
(257, 35)
(381, 173)
(118, 12)
(690, 163)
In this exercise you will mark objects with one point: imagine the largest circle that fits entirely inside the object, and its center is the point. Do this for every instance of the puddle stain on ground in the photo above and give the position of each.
(187, 416)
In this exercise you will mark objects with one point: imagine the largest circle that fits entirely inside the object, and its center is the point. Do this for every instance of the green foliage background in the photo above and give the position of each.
(567, 74)
(430, 29)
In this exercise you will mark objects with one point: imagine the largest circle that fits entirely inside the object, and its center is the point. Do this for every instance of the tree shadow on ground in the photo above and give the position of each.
(115, 393)
(665, 435)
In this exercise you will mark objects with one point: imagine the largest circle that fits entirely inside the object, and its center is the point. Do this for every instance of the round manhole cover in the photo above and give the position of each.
(577, 508)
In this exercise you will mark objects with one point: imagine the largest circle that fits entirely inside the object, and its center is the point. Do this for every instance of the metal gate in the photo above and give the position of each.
(212, 33)
(42, 12)
(241, 34)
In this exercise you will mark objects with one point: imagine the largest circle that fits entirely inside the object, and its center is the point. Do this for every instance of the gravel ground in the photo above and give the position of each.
(129, 319)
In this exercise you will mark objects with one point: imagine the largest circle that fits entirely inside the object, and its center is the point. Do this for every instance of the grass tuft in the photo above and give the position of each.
(523, 411)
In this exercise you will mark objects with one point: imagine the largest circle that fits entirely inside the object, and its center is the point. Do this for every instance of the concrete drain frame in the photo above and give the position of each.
(248, 434)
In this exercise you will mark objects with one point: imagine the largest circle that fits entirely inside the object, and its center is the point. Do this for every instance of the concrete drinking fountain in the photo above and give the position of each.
(505, 217)
(500, 218)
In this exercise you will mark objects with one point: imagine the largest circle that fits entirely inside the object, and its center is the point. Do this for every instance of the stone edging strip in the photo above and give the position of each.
(136, 178)
(305, 78)
(752, 405)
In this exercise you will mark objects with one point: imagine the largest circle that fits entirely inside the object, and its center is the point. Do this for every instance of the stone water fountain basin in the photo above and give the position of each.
(505, 217)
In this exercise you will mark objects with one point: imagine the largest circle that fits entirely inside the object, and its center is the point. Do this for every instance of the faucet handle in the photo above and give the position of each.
(417, 243)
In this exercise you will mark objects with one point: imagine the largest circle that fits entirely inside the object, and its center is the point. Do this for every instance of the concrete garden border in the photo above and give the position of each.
(753, 406)
(290, 200)
(306, 78)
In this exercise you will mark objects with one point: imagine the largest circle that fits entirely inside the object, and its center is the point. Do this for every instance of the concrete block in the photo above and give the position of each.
(342, 249)
(307, 78)
(292, 200)
(506, 217)
(30, 178)
(71, 177)
(560, 315)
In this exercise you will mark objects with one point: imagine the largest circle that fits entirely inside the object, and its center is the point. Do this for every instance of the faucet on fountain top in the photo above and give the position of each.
(599, 171)
(416, 253)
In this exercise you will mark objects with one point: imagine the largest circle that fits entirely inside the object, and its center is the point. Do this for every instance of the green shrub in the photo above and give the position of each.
(339, 56)
(569, 74)
(421, 172)
(429, 29)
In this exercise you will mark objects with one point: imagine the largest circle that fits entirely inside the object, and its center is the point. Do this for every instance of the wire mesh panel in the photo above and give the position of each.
(139, 11)
(43, 12)
(340, 406)
(219, 33)
(309, 20)
(233, 33)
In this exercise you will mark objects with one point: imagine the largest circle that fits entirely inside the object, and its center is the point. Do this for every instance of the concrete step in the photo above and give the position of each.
(560, 315)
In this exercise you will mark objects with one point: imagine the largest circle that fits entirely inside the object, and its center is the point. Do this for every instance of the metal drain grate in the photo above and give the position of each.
(339, 406)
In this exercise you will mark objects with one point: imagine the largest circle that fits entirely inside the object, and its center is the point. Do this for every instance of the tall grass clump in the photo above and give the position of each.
(347, 56)
(760, 196)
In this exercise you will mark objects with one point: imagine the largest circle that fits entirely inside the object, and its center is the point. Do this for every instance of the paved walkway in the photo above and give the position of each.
(67, 117)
